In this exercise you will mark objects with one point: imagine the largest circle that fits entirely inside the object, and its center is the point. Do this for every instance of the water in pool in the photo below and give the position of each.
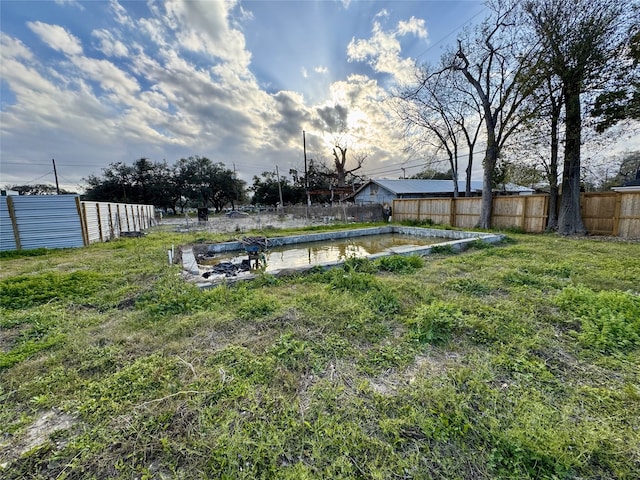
(322, 252)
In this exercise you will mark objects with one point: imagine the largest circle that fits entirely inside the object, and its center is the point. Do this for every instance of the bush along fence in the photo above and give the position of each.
(610, 213)
(63, 221)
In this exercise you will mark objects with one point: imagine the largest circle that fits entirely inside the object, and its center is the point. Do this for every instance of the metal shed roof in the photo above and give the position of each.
(421, 187)
(413, 186)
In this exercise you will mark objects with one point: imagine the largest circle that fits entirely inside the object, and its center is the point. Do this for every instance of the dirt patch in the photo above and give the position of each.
(433, 363)
(9, 337)
(37, 434)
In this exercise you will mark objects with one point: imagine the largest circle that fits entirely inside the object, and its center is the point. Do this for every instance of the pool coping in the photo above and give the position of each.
(460, 242)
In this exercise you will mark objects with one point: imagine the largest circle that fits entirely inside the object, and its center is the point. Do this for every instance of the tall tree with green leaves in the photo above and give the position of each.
(580, 40)
(622, 101)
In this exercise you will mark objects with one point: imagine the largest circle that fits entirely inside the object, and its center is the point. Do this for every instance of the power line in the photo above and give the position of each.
(38, 178)
(430, 47)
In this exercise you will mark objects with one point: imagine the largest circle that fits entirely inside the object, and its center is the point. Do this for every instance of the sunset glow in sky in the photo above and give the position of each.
(91, 83)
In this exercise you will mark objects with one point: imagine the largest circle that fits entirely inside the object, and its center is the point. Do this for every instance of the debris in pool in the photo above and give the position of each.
(255, 243)
(228, 269)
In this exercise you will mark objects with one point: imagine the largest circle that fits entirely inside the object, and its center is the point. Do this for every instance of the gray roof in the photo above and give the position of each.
(411, 186)
(414, 186)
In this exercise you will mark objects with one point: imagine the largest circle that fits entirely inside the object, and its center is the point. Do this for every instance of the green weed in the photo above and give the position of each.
(515, 361)
(434, 323)
(609, 320)
(400, 264)
(443, 249)
(25, 291)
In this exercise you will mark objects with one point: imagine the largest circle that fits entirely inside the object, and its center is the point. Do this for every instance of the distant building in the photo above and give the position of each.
(383, 191)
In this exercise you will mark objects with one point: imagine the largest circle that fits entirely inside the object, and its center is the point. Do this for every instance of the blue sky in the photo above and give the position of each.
(91, 83)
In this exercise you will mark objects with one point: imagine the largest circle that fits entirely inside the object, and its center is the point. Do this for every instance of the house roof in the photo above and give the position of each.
(415, 186)
(412, 186)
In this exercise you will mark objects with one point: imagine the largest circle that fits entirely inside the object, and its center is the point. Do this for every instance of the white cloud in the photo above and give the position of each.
(13, 48)
(414, 25)
(109, 45)
(108, 75)
(73, 3)
(181, 85)
(382, 52)
(204, 26)
(384, 13)
(120, 13)
(56, 37)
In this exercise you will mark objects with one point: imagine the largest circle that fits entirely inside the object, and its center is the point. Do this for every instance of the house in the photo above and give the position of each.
(383, 191)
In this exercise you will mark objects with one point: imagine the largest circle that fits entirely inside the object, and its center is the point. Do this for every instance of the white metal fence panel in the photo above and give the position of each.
(62, 221)
(7, 239)
(91, 214)
(48, 221)
(105, 222)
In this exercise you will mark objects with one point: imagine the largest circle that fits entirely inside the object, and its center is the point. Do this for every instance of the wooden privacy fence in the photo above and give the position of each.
(63, 221)
(609, 213)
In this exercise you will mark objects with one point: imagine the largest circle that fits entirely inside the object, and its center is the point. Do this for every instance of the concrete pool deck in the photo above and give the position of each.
(456, 239)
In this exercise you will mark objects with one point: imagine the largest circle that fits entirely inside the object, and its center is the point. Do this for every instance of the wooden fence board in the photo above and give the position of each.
(598, 212)
(608, 213)
(628, 218)
(467, 212)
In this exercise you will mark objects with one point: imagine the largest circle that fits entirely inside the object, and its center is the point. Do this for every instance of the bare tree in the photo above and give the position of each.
(440, 113)
(497, 62)
(580, 40)
(340, 163)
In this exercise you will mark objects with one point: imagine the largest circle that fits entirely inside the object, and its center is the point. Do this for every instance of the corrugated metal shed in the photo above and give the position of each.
(49, 221)
(7, 240)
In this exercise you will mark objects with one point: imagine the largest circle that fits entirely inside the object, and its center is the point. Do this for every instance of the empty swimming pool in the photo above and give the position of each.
(217, 262)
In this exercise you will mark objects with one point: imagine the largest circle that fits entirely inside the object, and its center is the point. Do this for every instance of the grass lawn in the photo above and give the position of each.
(511, 361)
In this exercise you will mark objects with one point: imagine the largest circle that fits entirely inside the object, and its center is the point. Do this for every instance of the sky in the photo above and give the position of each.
(93, 83)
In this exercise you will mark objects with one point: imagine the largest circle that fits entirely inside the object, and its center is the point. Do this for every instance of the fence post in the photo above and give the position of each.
(126, 216)
(523, 217)
(452, 211)
(616, 215)
(111, 232)
(82, 214)
(14, 222)
(99, 221)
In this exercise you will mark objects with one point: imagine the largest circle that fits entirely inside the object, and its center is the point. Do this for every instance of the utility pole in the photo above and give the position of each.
(403, 175)
(306, 182)
(235, 192)
(279, 187)
(55, 174)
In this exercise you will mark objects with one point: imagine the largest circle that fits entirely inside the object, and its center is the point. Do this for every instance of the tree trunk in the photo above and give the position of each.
(490, 160)
(552, 219)
(569, 217)
(467, 184)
